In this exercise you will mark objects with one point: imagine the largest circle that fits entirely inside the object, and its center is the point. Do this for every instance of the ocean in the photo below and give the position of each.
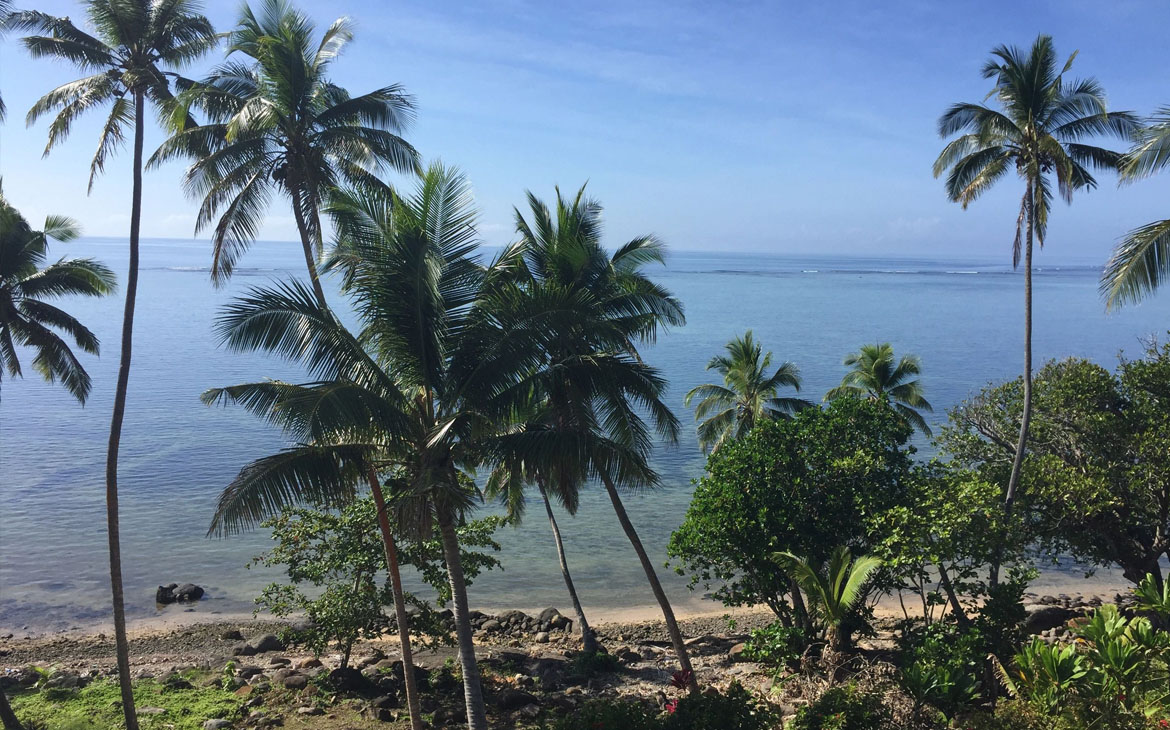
(962, 317)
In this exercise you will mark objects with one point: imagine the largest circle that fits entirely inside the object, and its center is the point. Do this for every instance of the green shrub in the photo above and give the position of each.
(591, 664)
(950, 692)
(844, 707)
(775, 644)
(607, 715)
(735, 709)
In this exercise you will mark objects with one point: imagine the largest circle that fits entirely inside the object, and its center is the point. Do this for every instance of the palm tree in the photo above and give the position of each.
(594, 387)
(1037, 132)
(423, 388)
(128, 62)
(836, 591)
(875, 375)
(747, 396)
(1141, 260)
(26, 318)
(277, 123)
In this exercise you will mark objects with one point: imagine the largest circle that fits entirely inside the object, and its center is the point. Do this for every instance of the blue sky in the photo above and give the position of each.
(778, 127)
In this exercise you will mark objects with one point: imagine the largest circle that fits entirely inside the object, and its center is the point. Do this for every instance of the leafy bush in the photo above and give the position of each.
(949, 691)
(775, 644)
(1116, 676)
(615, 714)
(843, 707)
(735, 709)
(338, 555)
(802, 485)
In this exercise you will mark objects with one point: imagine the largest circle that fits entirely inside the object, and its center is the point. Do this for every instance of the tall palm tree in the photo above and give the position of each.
(1141, 261)
(1037, 132)
(423, 387)
(129, 62)
(594, 390)
(875, 375)
(26, 318)
(276, 123)
(748, 394)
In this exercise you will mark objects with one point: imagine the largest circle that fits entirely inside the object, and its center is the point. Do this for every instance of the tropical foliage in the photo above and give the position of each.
(1141, 261)
(1097, 474)
(874, 374)
(277, 123)
(804, 485)
(834, 589)
(748, 394)
(27, 318)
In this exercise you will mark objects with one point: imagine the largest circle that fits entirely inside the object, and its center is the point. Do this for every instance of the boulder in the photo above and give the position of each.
(174, 592)
(541, 637)
(347, 679)
(296, 681)
(491, 625)
(232, 635)
(268, 642)
(512, 617)
(310, 711)
(514, 699)
(1046, 617)
(217, 723)
(243, 650)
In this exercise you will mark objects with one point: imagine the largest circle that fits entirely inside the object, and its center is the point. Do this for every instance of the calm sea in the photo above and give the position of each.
(963, 317)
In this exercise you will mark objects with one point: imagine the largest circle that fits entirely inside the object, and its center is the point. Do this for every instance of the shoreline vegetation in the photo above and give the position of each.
(437, 379)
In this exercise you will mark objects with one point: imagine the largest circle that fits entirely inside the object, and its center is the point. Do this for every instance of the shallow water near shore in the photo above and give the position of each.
(962, 317)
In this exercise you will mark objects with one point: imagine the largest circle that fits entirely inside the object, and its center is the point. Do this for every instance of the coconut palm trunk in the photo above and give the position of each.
(588, 640)
(472, 687)
(121, 643)
(1009, 498)
(7, 716)
(403, 621)
(680, 648)
(308, 247)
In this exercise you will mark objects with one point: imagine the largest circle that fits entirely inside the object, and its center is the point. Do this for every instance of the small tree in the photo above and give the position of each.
(835, 589)
(339, 553)
(803, 486)
(1097, 477)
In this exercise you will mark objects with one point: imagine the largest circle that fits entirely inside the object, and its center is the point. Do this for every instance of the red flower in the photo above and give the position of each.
(671, 707)
(681, 679)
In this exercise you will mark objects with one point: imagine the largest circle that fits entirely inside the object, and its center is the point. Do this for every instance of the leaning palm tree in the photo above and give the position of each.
(748, 394)
(1038, 132)
(128, 63)
(1141, 261)
(276, 123)
(595, 394)
(26, 318)
(423, 387)
(875, 375)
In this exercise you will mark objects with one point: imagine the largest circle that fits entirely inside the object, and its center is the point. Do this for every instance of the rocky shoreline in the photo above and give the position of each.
(530, 660)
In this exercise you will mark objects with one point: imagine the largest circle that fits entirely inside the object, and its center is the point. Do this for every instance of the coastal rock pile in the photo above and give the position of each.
(176, 593)
(519, 625)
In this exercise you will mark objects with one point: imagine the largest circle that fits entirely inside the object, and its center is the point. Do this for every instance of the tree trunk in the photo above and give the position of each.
(7, 716)
(472, 687)
(1018, 462)
(122, 645)
(308, 247)
(803, 620)
(588, 640)
(412, 701)
(684, 659)
(953, 598)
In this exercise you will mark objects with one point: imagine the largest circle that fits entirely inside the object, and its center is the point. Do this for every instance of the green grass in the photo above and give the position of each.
(99, 706)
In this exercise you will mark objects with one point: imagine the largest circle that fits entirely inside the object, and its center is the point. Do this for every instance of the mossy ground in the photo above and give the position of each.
(99, 705)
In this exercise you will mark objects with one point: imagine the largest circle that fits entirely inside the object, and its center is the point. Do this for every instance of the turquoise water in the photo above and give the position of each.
(963, 317)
